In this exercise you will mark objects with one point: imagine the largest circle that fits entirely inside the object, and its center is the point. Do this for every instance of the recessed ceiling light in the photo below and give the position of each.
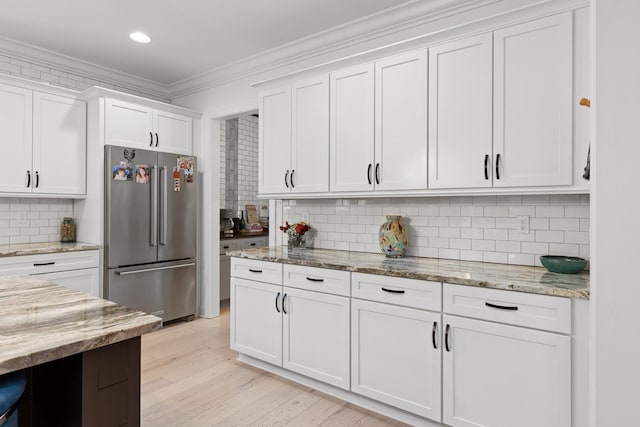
(140, 37)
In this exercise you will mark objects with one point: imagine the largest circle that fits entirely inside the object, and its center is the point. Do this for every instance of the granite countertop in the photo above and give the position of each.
(536, 280)
(41, 322)
(44, 248)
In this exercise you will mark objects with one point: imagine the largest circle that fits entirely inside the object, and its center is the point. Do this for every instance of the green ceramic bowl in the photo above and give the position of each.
(563, 264)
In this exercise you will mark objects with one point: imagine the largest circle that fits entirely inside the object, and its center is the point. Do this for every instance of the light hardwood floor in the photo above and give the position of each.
(190, 377)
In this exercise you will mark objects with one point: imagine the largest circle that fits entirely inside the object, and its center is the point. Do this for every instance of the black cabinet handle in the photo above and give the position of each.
(393, 291)
(291, 178)
(486, 166)
(37, 179)
(253, 244)
(377, 173)
(433, 334)
(498, 166)
(157, 139)
(225, 247)
(28, 179)
(150, 139)
(446, 337)
(369, 174)
(255, 271)
(40, 264)
(286, 177)
(277, 296)
(284, 297)
(311, 279)
(501, 307)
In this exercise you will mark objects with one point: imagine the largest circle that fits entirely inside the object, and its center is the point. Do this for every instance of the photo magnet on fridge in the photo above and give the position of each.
(176, 179)
(122, 172)
(142, 174)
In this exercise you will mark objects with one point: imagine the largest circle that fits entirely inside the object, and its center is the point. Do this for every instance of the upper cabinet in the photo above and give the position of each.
(44, 136)
(133, 125)
(460, 113)
(294, 138)
(493, 112)
(533, 80)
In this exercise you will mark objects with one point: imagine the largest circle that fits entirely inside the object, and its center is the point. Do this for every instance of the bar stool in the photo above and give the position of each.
(11, 388)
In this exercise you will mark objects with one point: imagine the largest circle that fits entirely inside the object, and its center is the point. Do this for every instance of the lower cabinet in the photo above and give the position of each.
(503, 376)
(395, 356)
(86, 280)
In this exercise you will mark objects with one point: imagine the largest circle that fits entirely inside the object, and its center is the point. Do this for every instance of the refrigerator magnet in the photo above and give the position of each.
(188, 176)
(176, 179)
(142, 174)
(122, 172)
(185, 163)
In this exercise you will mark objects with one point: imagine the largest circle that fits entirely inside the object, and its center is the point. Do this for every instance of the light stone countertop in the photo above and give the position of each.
(535, 280)
(41, 322)
(44, 248)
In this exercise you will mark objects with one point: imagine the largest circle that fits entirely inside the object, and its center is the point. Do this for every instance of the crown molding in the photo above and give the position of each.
(71, 65)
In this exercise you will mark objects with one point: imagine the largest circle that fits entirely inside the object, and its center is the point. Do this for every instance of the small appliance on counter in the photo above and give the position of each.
(227, 223)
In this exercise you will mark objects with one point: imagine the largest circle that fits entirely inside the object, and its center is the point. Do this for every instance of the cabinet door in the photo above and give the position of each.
(351, 147)
(401, 122)
(173, 132)
(460, 113)
(496, 375)
(533, 103)
(275, 141)
(15, 139)
(59, 144)
(87, 280)
(310, 135)
(256, 320)
(128, 125)
(395, 356)
(316, 336)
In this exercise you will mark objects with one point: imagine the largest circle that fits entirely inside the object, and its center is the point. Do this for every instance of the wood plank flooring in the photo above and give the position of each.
(191, 378)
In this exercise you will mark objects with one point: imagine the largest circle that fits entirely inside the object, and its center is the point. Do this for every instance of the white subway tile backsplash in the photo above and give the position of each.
(44, 217)
(454, 227)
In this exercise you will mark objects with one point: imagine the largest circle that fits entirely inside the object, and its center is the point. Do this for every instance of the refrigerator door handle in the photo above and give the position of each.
(163, 204)
(154, 206)
(146, 270)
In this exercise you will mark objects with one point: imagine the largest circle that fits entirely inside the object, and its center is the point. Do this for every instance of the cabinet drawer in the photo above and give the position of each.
(261, 271)
(227, 245)
(317, 279)
(515, 308)
(251, 242)
(48, 263)
(395, 290)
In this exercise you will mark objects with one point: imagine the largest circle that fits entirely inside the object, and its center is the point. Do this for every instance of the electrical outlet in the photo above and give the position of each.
(305, 218)
(22, 220)
(523, 224)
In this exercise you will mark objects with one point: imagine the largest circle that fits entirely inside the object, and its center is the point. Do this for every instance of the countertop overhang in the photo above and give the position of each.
(41, 322)
(45, 248)
(536, 280)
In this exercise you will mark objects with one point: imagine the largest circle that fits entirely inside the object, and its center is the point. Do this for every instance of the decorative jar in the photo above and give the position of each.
(394, 238)
(67, 230)
(296, 242)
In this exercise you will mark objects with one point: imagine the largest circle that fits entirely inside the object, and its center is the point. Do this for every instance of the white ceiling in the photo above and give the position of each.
(189, 37)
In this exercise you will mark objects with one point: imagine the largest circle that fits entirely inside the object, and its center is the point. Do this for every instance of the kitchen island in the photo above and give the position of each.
(81, 353)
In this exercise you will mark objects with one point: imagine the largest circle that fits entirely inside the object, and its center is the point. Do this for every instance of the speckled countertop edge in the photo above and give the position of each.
(41, 322)
(44, 248)
(518, 278)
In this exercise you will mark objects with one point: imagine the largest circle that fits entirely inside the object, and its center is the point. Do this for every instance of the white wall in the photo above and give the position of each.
(615, 293)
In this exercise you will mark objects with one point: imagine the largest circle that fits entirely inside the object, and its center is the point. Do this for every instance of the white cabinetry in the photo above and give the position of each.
(395, 350)
(78, 270)
(294, 138)
(533, 81)
(460, 113)
(234, 244)
(502, 374)
(379, 125)
(44, 136)
(133, 125)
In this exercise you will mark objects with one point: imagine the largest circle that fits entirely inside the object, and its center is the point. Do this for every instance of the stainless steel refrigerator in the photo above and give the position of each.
(151, 231)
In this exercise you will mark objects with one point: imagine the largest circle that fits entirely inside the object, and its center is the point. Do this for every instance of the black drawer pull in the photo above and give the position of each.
(311, 279)
(393, 291)
(501, 307)
(277, 296)
(255, 271)
(225, 247)
(433, 335)
(40, 264)
(253, 244)
(446, 337)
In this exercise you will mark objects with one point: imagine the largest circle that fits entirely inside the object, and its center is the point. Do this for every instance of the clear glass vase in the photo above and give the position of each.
(296, 242)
